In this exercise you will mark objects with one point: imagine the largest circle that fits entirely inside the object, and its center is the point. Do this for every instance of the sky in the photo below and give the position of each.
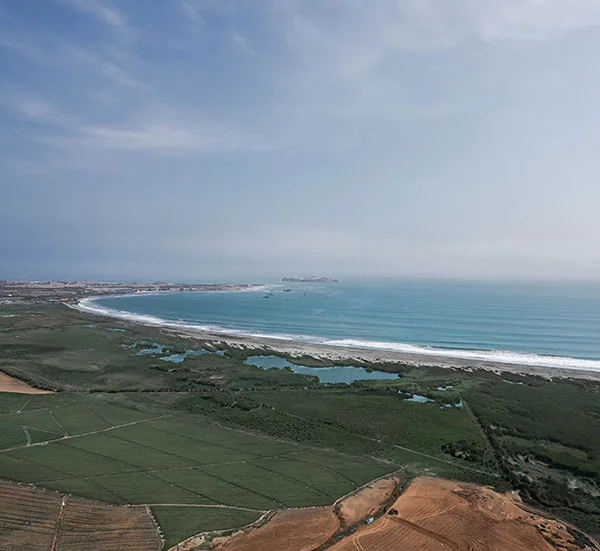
(245, 140)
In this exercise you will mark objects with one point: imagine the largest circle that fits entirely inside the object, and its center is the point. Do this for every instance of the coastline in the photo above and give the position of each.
(339, 353)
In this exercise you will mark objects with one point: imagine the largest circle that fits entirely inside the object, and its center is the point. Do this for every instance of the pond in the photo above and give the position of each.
(419, 399)
(326, 375)
(156, 349)
(424, 400)
(179, 358)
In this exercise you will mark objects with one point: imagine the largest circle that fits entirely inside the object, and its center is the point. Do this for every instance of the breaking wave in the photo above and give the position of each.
(495, 356)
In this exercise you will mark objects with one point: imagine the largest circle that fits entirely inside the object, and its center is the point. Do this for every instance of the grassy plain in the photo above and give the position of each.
(126, 427)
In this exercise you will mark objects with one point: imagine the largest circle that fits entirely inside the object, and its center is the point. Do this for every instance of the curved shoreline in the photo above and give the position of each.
(546, 366)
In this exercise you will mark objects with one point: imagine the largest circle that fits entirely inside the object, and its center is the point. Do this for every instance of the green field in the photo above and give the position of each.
(211, 443)
(101, 451)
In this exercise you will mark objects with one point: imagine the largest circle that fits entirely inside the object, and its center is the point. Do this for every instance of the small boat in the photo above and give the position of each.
(267, 296)
(287, 290)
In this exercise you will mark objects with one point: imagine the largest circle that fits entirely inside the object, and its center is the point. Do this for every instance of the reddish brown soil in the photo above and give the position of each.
(367, 501)
(435, 514)
(38, 520)
(432, 515)
(289, 530)
(10, 384)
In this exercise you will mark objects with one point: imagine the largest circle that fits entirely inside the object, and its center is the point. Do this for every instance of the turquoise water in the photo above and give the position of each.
(536, 324)
(327, 375)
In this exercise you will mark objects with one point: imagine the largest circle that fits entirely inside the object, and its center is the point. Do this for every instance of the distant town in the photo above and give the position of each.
(310, 279)
(18, 291)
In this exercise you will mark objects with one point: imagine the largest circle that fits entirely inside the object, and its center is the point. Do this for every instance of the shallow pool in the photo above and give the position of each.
(326, 375)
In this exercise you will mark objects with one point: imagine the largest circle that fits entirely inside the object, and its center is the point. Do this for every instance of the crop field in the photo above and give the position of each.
(106, 452)
(375, 424)
(38, 520)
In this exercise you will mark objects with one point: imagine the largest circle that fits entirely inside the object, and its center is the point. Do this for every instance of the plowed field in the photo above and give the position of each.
(38, 520)
(10, 384)
(307, 529)
(294, 529)
(431, 515)
(365, 503)
(436, 514)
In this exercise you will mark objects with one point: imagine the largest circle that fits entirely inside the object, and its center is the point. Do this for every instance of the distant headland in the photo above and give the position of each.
(309, 279)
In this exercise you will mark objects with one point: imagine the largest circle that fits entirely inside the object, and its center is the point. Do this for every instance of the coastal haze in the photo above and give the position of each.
(195, 141)
(299, 275)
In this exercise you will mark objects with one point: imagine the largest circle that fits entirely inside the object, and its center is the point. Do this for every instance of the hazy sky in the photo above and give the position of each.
(249, 139)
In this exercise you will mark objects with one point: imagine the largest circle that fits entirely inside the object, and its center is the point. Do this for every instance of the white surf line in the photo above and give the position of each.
(46, 442)
(503, 357)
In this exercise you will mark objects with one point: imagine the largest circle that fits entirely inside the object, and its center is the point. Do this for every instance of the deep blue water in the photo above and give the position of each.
(498, 321)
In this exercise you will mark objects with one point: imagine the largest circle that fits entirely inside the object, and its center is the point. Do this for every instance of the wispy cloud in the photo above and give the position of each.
(69, 58)
(242, 43)
(193, 11)
(422, 123)
(170, 138)
(359, 33)
(174, 137)
(33, 109)
(26, 48)
(102, 10)
(106, 64)
(532, 19)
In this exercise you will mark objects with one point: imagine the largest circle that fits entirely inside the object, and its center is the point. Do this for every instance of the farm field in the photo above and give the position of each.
(10, 384)
(117, 455)
(38, 520)
(436, 514)
(312, 528)
(292, 529)
(365, 503)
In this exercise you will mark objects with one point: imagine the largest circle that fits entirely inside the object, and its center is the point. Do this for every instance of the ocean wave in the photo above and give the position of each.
(499, 356)
(496, 356)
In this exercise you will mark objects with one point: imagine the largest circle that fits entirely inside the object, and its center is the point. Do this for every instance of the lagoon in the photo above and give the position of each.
(326, 375)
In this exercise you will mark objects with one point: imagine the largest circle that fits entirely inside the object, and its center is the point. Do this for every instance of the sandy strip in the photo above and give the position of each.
(339, 353)
(10, 384)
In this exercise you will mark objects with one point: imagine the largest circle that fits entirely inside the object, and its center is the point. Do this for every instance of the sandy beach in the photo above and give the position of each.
(339, 353)
(336, 353)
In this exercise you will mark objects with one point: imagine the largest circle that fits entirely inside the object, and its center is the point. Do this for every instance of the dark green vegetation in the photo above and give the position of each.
(547, 439)
(176, 521)
(127, 427)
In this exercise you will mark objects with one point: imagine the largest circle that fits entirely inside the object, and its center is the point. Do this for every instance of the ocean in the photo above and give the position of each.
(549, 324)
